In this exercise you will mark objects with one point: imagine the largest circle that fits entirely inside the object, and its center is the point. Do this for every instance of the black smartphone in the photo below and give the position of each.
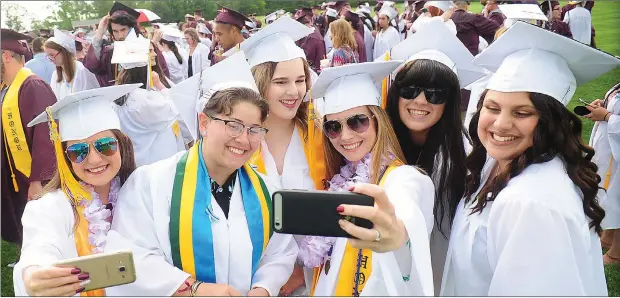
(581, 111)
(301, 212)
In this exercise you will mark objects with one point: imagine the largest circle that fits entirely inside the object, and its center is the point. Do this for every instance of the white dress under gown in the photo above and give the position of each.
(83, 80)
(532, 240)
(141, 224)
(605, 140)
(406, 271)
(147, 118)
(385, 41)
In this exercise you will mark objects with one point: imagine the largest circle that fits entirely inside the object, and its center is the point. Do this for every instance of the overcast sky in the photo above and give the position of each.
(33, 10)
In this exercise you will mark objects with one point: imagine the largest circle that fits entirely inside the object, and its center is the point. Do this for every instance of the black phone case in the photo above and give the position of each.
(314, 212)
(581, 110)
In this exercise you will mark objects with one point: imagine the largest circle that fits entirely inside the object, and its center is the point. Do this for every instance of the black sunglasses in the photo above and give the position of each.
(358, 123)
(433, 95)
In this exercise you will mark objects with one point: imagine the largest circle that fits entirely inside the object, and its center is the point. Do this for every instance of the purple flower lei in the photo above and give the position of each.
(314, 249)
(98, 216)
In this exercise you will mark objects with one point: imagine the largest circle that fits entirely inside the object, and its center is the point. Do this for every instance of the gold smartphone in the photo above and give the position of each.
(104, 269)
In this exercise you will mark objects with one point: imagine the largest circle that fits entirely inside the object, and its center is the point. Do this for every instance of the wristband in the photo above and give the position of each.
(194, 288)
(606, 118)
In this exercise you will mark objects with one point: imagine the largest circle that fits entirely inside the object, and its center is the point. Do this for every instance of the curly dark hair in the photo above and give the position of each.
(444, 138)
(557, 134)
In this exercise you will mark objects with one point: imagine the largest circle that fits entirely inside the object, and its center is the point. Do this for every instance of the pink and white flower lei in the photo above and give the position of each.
(98, 216)
(314, 249)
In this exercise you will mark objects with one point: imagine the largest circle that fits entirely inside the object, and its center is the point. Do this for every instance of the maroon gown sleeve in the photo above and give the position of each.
(161, 61)
(497, 18)
(34, 96)
(102, 66)
(361, 47)
(485, 28)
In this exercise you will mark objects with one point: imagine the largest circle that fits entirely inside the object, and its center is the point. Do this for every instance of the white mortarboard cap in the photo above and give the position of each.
(330, 12)
(185, 96)
(436, 42)
(271, 17)
(85, 113)
(388, 11)
(363, 9)
(64, 40)
(274, 43)
(132, 52)
(443, 5)
(352, 85)
(388, 3)
(530, 59)
(250, 24)
(202, 28)
(171, 34)
(521, 12)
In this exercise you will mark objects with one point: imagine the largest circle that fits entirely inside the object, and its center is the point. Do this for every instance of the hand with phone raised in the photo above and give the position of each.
(54, 281)
(388, 232)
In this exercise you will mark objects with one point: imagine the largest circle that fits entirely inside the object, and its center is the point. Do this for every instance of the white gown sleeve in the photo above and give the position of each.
(413, 196)
(613, 132)
(531, 249)
(204, 54)
(135, 227)
(44, 236)
(84, 80)
(157, 111)
(276, 264)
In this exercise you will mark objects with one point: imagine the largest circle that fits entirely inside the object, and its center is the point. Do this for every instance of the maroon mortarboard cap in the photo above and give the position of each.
(10, 41)
(232, 17)
(351, 17)
(47, 31)
(303, 18)
(208, 25)
(120, 8)
(340, 4)
(306, 10)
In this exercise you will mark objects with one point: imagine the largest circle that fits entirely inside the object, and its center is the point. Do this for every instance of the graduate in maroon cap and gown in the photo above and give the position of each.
(555, 24)
(358, 27)
(470, 27)
(313, 45)
(28, 159)
(119, 23)
(227, 32)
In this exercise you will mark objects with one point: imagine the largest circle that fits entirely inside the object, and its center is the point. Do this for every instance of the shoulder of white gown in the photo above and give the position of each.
(56, 201)
(407, 173)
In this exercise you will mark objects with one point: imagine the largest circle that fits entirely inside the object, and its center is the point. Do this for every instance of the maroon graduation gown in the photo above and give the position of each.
(497, 17)
(559, 27)
(361, 47)
(314, 47)
(103, 68)
(33, 97)
(470, 27)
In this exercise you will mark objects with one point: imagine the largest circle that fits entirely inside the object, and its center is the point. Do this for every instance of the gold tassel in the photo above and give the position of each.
(151, 84)
(384, 84)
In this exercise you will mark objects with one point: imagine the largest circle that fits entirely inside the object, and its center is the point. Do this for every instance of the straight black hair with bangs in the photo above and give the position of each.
(444, 138)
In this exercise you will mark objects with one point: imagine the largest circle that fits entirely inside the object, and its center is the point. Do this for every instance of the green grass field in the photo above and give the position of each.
(603, 16)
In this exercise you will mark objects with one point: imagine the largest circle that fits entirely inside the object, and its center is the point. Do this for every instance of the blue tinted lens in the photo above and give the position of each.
(106, 146)
(77, 152)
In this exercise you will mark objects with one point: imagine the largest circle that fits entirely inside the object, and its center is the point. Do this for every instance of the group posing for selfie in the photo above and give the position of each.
(362, 180)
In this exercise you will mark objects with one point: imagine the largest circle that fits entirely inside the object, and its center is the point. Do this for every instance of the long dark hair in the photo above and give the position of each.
(138, 75)
(128, 165)
(558, 134)
(173, 47)
(444, 138)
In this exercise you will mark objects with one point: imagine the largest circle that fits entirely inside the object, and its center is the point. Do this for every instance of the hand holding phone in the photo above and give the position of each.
(104, 270)
(53, 281)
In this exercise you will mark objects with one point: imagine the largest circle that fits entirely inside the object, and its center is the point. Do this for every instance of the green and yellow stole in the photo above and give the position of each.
(191, 237)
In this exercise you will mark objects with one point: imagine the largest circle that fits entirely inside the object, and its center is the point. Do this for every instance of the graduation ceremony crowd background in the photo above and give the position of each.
(168, 139)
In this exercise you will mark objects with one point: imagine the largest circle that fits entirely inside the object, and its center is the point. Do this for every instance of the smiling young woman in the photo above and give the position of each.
(530, 205)
(74, 212)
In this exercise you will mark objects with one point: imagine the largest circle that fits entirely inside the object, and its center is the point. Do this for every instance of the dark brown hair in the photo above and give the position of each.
(68, 65)
(223, 101)
(128, 165)
(37, 45)
(557, 134)
(263, 74)
(123, 19)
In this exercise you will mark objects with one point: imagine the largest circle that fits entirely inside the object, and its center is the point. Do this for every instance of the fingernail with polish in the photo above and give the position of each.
(80, 290)
(84, 283)
(340, 209)
(83, 276)
(76, 271)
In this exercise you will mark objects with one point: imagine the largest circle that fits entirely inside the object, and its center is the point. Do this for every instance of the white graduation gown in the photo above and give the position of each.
(141, 224)
(413, 196)
(369, 42)
(605, 140)
(328, 41)
(295, 175)
(200, 58)
(147, 118)
(48, 235)
(579, 20)
(532, 240)
(385, 41)
(83, 80)
(178, 72)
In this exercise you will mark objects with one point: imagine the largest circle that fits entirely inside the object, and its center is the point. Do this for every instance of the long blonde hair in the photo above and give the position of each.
(386, 146)
(342, 34)
(263, 73)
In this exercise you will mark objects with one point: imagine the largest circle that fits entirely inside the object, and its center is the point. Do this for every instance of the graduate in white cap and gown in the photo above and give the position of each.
(393, 258)
(529, 221)
(292, 153)
(148, 115)
(423, 103)
(199, 223)
(94, 160)
(443, 8)
(387, 36)
(176, 56)
(70, 75)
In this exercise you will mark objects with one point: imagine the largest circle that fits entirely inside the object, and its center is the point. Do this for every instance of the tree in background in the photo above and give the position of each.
(14, 15)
